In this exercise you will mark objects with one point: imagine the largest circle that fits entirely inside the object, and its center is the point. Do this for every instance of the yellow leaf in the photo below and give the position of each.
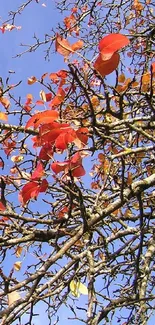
(12, 297)
(82, 288)
(74, 288)
(17, 266)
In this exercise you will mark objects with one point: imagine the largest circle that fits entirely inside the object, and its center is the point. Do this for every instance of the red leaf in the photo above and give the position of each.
(38, 172)
(74, 165)
(82, 134)
(48, 97)
(64, 138)
(2, 207)
(58, 167)
(31, 191)
(49, 132)
(108, 66)
(112, 43)
(77, 171)
(43, 186)
(42, 118)
(46, 152)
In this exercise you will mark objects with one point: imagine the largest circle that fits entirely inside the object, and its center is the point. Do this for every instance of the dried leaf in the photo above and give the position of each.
(17, 265)
(19, 250)
(12, 297)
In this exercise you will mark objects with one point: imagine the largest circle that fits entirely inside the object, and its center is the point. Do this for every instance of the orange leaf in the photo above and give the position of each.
(108, 66)
(153, 67)
(62, 46)
(42, 118)
(31, 80)
(5, 102)
(112, 43)
(3, 116)
(77, 46)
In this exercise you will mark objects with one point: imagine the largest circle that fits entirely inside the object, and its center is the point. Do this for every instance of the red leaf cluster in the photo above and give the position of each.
(58, 135)
(72, 165)
(108, 58)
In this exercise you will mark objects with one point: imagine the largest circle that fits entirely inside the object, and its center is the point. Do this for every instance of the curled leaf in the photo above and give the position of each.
(17, 266)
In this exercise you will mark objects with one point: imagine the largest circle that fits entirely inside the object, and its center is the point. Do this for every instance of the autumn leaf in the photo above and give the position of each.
(12, 297)
(77, 45)
(31, 190)
(110, 44)
(62, 46)
(5, 102)
(46, 152)
(19, 250)
(17, 266)
(8, 27)
(38, 172)
(108, 66)
(2, 206)
(73, 165)
(153, 67)
(45, 97)
(42, 118)
(31, 80)
(3, 116)
(76, 287)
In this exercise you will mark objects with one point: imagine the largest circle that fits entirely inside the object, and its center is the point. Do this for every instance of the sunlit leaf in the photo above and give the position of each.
(19, 250)
(31, 80)
(108, 66)
(12, 297)
(31, 190)
(112, 43)
(42, 118)
(3, 116)
(5, 102)
(74, 288)
(82, 288)
(62, 46)
(17, 266)
(38, 172)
